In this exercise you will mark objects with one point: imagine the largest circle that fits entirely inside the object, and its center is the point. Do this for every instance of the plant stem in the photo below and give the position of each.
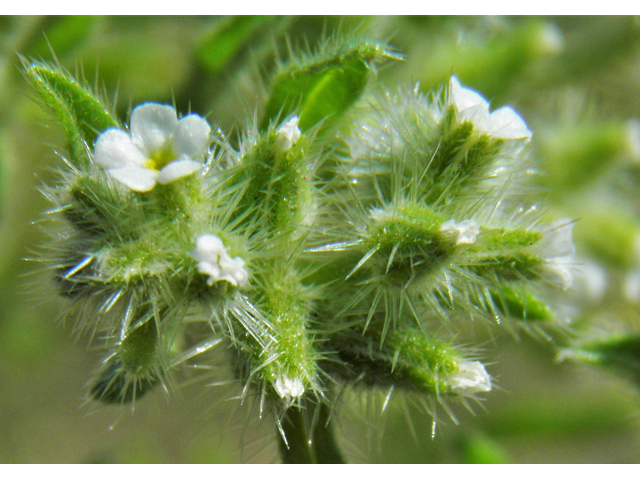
(308, 442)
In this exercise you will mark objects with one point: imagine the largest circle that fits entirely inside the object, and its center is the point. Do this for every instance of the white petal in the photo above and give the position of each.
(288, 134)
(114, 149)
(208, 248)
(478, 115)
(559, 240)
(152, 125)
(214, 261)
(288, 388)
(466, 231)
(178, 169)
(191, 137)
(507, 124)
(561, 268)
(471, 378)
(463, 97)
(137, 179)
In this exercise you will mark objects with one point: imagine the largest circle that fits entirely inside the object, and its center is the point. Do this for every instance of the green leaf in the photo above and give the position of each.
(219, 47)
(325, 85)
(82, 115)
(621, 353)
(63, 34)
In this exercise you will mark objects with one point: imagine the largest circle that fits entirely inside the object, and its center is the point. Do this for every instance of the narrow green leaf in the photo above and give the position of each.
(325, 85)
(82, 115)
(219, 47)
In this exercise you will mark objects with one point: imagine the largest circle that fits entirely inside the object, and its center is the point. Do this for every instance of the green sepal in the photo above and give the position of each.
(521, 305)
(408, 359)
(82, 115)
(114, 386)
(324, 86)
(133, 370)
(407, 241)
(276, 184)
(139, 350)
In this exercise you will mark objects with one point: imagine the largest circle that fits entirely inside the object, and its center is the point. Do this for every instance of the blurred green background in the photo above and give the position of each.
(575, 80)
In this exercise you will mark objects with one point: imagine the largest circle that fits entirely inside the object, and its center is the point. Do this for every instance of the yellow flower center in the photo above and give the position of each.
(160, 158)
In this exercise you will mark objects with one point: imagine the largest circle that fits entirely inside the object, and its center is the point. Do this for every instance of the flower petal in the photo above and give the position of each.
(114, 149)
(137, 179)
(191, 137)
(288, 134)
(288, 388)
(507, 124)
(463, 97)
(471, 378)
(152, 125)
(178, 169)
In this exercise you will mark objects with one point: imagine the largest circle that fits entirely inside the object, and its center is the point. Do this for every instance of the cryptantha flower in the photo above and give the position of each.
(503, 123)
(213, 260)
(158, 148)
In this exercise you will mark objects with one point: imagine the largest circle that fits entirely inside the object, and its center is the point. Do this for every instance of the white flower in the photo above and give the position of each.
(466, 230)
(289, 388)
(158, 148)
(471, 378)
(288, 134)
(560, 251)
(213, 260)
(504, 123)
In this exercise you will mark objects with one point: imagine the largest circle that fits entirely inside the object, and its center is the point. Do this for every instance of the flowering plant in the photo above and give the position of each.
(338, 242)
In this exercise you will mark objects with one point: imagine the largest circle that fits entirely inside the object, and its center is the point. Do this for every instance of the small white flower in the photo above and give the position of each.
(158, 148)
(560, 251)
(288, 134)
(213, 260)
(289, 388)
(466, 230)
(504, 123)
(471, 378)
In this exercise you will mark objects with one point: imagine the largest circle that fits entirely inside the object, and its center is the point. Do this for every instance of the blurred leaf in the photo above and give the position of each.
(618, 246)
(324, 86)
(621, 353)
(480, 449)
(560, 416)
(489, 66)
(82, 115)
(219, 47)
(578, 154)
(63, 34)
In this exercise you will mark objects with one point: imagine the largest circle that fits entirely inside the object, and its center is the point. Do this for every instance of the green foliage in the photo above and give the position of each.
(321, 87)
(82, 115)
